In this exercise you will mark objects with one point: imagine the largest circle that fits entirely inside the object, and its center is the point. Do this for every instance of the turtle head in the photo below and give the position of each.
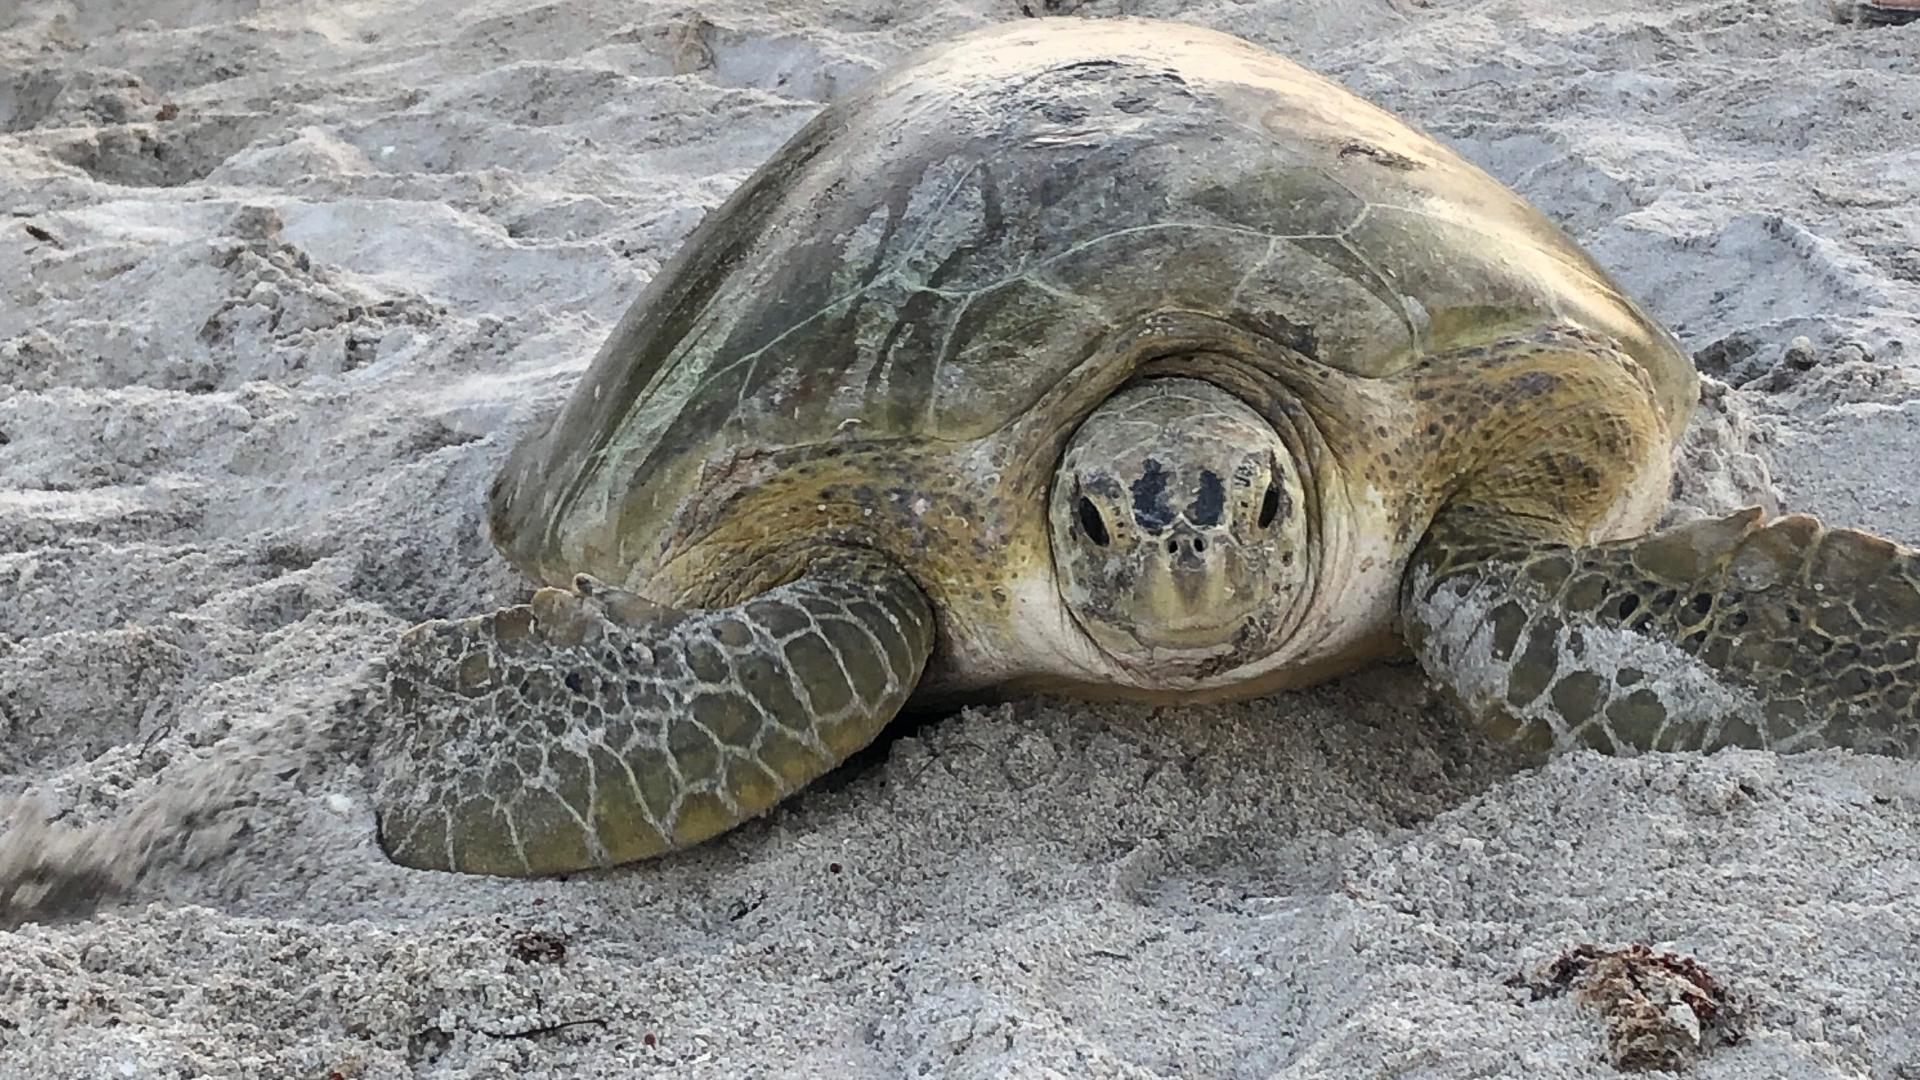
(1177, 524)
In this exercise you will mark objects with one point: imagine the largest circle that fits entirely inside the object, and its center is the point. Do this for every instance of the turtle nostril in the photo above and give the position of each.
(1199, 543)
(1173, 547)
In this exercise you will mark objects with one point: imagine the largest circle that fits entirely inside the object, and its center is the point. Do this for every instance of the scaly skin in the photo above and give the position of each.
(1725, 632)
(1556, 426)
(1552, 630)
(591, 728)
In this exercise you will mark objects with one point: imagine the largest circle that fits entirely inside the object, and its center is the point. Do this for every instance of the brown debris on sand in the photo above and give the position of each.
(1662, 1011)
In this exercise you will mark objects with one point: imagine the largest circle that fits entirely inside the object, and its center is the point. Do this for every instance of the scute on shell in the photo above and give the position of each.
(940, 254)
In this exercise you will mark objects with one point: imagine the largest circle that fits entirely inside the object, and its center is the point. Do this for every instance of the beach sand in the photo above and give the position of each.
(281, 282)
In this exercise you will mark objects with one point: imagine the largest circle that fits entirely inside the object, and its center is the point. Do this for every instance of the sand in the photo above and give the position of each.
(281, 283)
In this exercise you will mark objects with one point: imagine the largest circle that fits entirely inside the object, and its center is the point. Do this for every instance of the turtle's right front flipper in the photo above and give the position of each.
(1729, 632)
(592, 728)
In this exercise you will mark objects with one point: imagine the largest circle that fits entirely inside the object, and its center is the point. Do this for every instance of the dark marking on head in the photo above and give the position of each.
(1150, 507)
(1207, 507)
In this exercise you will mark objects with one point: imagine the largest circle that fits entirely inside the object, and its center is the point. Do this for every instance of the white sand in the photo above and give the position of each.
(259, 359)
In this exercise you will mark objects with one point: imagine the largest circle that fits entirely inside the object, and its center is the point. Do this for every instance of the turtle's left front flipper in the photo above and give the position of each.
(1725, 632)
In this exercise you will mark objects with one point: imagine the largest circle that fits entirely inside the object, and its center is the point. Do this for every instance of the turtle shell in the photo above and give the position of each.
(928, 257)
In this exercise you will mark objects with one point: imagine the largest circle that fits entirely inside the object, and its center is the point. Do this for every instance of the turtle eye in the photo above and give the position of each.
(1090, 521)
(1270, 506)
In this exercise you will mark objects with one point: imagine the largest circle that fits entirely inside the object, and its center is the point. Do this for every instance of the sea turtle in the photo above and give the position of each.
(1107, 356)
